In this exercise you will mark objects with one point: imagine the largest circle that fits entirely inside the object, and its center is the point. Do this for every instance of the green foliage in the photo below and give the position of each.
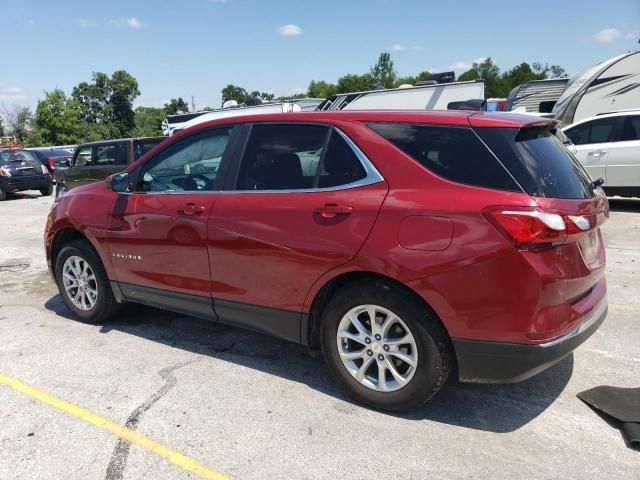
(106, 103)
(233, 92)
(149, 121)
(174, 107)
(355, 83)
(57, 119)
(382, 73)
(499, 85)
(321, 89)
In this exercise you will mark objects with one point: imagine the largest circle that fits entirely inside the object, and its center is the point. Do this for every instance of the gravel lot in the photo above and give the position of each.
(254, 407)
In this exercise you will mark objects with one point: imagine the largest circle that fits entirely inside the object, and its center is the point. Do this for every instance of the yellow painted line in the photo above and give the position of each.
(182, 461)
(629, 308)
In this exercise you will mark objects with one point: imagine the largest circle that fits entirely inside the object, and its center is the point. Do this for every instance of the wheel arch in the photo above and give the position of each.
(311, 328)
(68, 234)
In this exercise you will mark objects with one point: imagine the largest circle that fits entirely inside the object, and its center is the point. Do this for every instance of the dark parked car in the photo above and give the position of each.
(53, 158)
(92, 162)
(404, 245)
(21, 170)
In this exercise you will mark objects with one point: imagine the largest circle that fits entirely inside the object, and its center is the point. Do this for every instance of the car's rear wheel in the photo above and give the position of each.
(47, 191)
(3, 194)
(384, 346)
(83, 283)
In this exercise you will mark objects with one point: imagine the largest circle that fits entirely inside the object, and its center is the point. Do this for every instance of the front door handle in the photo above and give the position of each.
(331, 210)
(191, 209)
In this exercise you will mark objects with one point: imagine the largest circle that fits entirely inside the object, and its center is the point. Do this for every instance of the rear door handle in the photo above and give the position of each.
(597, 153)
(191, 209)
(331, 210)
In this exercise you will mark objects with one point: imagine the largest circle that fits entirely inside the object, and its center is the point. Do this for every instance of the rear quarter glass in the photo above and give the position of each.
(453, 153)
(539, 162)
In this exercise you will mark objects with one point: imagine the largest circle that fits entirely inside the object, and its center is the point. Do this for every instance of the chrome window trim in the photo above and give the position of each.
(372, 176)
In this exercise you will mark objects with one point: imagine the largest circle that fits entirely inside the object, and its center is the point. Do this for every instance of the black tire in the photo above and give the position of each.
(46, 192)
(105, 305)
(3, 194)
(434, 349)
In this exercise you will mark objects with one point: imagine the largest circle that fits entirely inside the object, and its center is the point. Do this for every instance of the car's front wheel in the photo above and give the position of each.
(384, 346)
(83, 283)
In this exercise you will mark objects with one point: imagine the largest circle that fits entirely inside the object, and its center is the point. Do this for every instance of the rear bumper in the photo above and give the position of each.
(497, 362)
(15, 184)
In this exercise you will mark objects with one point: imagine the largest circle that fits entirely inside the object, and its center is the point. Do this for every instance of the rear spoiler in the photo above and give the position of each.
(511, 120)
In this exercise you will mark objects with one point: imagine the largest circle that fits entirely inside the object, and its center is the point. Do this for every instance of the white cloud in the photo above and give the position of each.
(465, 65)
(131, 22)
(290, 30)
(632, 35)
(396, 47)
(12, 94)
(607, 35)
(416, 47)
(84, 23)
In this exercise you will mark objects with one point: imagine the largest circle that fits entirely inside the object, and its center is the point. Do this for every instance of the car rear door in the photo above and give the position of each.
(592, 140)
(108, 159)
(623, 164)
(158, 233)
(303, 203)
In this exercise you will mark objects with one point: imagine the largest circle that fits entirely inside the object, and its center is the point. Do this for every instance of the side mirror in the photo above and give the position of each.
(118, 182)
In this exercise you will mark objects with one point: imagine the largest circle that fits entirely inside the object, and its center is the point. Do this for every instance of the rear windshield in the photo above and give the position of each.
(539, 162)
(10, 156)
(454, 153)
(54, 152)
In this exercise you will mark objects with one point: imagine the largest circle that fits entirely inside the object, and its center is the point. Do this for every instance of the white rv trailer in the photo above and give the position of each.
(612, 85)
(422, 97)
(535, 96)
(174, 123)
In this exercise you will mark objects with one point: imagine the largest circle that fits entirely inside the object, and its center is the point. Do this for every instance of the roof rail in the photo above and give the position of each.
(618, 111)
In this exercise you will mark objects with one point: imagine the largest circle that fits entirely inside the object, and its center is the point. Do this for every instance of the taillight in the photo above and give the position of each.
(533, 228)
(52, 163)
(44, 169)
(4, 172)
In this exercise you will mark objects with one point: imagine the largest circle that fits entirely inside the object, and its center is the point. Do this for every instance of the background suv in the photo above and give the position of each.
(401, 244)
(608, 146)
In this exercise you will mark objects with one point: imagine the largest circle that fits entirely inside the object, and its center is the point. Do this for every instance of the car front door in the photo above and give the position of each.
(158, 237)
(623, 165)
(79, 173)
(592, 140)
(303, 203)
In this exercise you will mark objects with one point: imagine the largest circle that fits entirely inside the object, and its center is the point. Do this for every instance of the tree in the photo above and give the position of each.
(58, 119)
(233, 92)
(490, 73)
(382, 73)
(149, 121)
(321, 89)
(108, 102)
(175, 106)
(354, 83)
(19, 119)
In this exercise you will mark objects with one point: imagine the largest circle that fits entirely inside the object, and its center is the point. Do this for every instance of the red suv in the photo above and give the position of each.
(404, 245)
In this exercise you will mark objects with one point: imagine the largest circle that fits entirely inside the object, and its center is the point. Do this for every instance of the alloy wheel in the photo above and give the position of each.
(377, 348)
(80, 283)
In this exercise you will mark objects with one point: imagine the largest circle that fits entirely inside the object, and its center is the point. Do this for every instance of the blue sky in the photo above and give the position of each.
(195, 47)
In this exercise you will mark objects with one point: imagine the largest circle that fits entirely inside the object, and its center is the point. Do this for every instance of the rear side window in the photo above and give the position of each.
(539, 162)
(454, 153)
(143, 146)
(630, 129)
(598, 131)
(340, 165)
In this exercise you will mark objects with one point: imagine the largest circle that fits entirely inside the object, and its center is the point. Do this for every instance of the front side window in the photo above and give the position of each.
(597, 131)
(454, 153)
(83, 158)
(190, 164)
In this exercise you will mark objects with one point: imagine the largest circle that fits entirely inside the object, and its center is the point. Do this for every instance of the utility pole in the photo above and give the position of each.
(193, 105)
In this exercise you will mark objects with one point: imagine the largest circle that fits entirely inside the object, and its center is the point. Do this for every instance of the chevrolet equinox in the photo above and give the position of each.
(402, 245)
